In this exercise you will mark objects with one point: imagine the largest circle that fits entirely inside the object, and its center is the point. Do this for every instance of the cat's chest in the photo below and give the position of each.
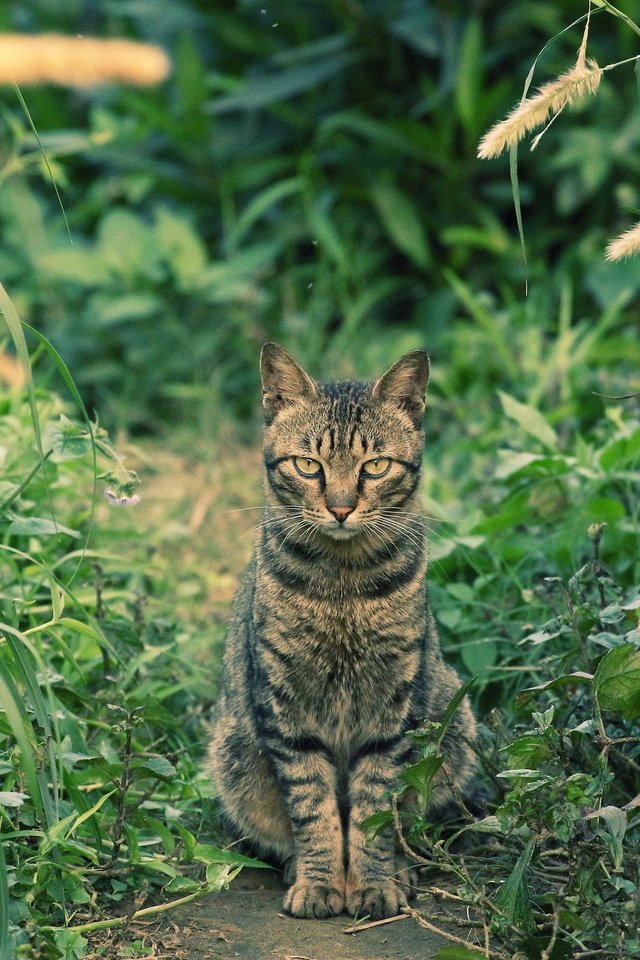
(337, 669)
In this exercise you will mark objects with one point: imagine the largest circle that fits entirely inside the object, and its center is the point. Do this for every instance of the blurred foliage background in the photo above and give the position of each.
(308, 173)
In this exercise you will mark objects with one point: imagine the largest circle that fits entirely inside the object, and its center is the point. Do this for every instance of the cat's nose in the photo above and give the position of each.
(340, 511)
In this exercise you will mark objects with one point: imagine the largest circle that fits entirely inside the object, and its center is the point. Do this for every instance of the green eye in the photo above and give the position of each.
(307, 467)
(377, 467)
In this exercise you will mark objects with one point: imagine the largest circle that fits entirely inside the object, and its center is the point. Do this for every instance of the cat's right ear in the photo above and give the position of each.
(283, 380)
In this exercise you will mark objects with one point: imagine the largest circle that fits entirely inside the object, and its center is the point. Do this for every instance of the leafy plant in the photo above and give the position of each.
(562, 872)
(100, 794)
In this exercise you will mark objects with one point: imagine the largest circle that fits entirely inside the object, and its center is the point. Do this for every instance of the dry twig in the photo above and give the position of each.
(358, 927)
(444, 933)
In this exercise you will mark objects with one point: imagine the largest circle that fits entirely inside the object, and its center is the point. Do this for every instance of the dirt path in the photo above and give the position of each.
(246, 922)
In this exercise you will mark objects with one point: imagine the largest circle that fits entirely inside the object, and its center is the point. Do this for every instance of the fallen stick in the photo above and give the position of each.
(375, 923)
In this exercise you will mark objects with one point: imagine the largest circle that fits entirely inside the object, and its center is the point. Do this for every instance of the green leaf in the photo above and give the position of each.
(452, 706)
(621, 452)
(181, 885)
(181, 245)
(419, 776)
(268, 88)
(220, 875)
(513, 896)
(127, 245)
(206, 853)
(39, 527)
(567, 679)
(529, 419)
(259, 206)
(90, 812)
(526, 754)
(16, 331)
(375, 824)
(511, 461)
(517, 206)
(479, 656)
(67, 440)
(378, 134)
(71, 944)
(616, 684)
(616, 823)
(73, 266)
(130, 307)
(158, 767)
(469, 76)
(401, 221)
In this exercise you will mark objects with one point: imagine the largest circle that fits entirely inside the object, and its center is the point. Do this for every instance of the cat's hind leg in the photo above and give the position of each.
(251, 801)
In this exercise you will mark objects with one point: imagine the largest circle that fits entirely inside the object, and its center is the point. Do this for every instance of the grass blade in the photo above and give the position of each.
(46, 771)
(23, 104)
(515, 192)
(65, 373)
(4, 906)
(17, 335)
(23, 733)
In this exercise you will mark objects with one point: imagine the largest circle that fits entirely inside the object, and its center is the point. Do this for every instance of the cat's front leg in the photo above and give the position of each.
(308, 783)
(370, 889)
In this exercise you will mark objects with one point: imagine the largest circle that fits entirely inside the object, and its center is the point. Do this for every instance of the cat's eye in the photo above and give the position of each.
(307, 467)
(377, 467)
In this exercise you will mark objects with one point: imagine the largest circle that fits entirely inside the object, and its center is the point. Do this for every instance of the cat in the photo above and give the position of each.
(332, 653)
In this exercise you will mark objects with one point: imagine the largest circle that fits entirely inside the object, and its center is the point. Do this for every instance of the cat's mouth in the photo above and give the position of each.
(338, 531)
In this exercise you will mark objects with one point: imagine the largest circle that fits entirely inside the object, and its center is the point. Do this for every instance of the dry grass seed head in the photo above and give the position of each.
(532, 112)
(626, 245)
(79, 61)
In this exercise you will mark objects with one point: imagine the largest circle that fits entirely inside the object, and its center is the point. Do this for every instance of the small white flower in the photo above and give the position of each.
(121, 501)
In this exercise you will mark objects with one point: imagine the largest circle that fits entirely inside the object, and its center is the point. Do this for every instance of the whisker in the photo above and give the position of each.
(269, 521)
(387, 542)
(402, 529)
(312, 529)
(299, 525)
(426, 530)
(413, 513)
(261, 506)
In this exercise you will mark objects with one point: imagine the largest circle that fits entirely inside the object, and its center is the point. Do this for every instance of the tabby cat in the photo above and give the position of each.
(332, 654)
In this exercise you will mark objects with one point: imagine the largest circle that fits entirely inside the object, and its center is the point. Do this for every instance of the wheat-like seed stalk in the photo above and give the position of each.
(79, 61)
(584, 78)
(626, 245)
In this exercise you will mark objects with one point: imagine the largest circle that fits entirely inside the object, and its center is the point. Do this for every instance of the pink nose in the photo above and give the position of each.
(340, 512)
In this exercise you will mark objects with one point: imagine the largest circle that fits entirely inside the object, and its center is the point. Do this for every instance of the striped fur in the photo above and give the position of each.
(332, 654)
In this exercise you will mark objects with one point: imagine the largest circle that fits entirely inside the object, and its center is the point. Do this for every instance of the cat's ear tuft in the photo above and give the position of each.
(283, 380)
(405, 383)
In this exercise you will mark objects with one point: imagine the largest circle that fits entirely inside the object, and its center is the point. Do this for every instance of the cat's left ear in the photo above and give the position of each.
(283, 380)
(405, 383)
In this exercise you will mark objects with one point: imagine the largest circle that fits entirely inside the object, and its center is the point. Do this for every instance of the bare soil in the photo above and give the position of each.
(246, 922)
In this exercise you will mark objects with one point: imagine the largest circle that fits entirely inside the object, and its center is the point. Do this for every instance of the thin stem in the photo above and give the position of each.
(123, 921)
(448, 936)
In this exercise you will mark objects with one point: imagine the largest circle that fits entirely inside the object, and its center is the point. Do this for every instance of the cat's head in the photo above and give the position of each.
(342, 458)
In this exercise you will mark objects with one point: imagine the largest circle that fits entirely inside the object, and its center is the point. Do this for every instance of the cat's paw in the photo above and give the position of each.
(313, 900)
(376, 900)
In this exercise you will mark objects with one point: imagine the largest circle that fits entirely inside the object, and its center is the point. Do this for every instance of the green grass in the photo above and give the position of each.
(351, 220)
(111, 647)
(105, 683)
